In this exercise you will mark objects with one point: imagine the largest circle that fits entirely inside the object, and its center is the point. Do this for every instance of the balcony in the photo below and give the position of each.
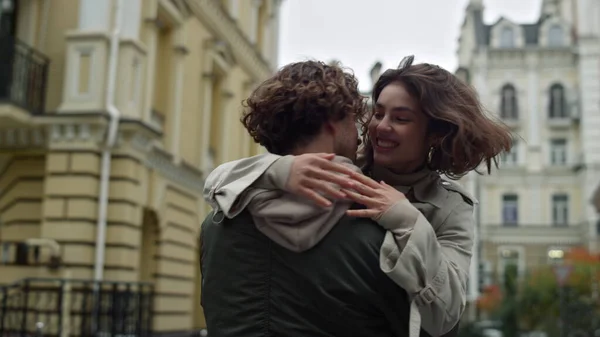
(533, 233)
(23, 75)
(69, 307)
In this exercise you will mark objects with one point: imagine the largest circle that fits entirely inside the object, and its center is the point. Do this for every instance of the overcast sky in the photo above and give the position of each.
(360, 32)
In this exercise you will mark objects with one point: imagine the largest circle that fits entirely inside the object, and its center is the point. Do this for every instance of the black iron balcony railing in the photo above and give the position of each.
(65, 307)
(23, 75)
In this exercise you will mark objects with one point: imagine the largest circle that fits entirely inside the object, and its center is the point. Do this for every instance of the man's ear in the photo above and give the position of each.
(330, 128)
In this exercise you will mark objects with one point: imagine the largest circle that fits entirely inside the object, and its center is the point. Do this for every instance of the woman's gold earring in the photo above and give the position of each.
(430, 155)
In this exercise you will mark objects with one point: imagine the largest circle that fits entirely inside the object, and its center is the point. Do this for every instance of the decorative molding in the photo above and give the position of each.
(156, 22)
(141, 142)
(222, 26)
(208, 76)
(135, 44)
(519, 36)
(183, 7)
(183, 175)
(551, 22)
(171, 13)
(22, 138)
(181, 50)
(220, 51)
(71, 132)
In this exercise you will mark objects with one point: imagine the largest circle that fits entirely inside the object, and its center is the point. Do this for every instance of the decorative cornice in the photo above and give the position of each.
(183, 8)
(183, 175)
(223, 27)
(221, 49)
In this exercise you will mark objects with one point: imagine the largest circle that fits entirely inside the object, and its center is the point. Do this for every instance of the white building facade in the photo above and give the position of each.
(543, 80)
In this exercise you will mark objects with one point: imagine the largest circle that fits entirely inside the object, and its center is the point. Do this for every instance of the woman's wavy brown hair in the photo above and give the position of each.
(467, 137)
(290, 108)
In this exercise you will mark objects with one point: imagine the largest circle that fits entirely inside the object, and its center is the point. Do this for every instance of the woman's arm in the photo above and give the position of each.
(227, 188)
(432, 269)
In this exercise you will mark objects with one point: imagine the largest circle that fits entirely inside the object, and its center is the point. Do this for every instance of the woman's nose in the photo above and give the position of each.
(384, 125)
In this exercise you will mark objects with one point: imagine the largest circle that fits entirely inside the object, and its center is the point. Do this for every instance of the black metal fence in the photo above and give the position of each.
(23, 75)
(61, 307)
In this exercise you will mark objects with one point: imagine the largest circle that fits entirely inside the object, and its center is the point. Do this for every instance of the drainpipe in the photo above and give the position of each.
(111, 137)
(42, 38)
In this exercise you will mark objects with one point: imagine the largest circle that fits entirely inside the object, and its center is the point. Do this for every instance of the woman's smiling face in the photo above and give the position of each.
(398, 130)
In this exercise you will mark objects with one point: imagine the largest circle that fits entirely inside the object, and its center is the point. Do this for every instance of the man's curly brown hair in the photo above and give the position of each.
(289, 109)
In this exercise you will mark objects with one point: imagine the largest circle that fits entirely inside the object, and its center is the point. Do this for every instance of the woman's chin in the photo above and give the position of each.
(382, 159)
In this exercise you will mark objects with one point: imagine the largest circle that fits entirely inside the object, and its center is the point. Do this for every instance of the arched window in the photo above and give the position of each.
(510, 209)
(507, 37)
(556, 36)
(508, 104)
(558, 106)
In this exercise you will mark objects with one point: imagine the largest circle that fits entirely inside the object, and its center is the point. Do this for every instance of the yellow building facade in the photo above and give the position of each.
(111, 114)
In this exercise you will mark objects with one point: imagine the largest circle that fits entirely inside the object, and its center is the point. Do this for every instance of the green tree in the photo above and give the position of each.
(509, 309)
(539, 296)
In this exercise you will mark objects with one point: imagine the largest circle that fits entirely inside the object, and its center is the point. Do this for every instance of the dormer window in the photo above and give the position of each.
(507, 37)
(556, 36)
(508, 104)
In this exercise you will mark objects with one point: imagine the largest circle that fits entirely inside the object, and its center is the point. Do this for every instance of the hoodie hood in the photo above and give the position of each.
(291, 221)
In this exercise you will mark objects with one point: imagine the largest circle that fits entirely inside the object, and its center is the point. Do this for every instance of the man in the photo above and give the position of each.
(257, 284)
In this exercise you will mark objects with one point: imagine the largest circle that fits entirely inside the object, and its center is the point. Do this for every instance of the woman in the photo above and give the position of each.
(425, 123)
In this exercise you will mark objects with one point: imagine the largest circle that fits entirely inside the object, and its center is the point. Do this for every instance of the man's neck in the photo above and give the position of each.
(316, 146)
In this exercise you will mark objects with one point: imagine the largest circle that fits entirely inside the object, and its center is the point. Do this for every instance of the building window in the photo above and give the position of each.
(508, 105)
(507, 37)
(560, 209)
(558, 106)
(510, 257)
(5, 256)
(558, 151)
(511, 157)
(510, 209)
(556, 36)
(555, 255)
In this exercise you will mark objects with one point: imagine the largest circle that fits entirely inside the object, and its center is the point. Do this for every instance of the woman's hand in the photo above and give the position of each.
(377, 197)
(315, 175)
